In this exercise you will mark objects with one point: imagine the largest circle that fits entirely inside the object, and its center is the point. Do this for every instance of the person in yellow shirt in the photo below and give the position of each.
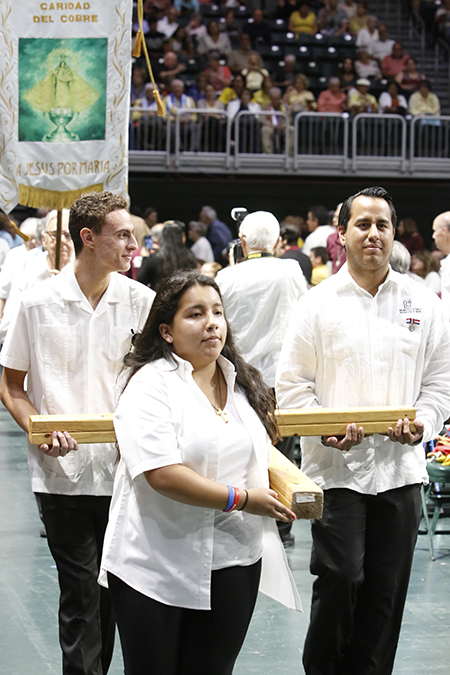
(303, 20)
(318, 257)
(359, 99)
(233, 91)
(359, 20)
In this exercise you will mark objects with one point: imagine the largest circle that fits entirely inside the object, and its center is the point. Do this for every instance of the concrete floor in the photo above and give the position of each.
(29, 593)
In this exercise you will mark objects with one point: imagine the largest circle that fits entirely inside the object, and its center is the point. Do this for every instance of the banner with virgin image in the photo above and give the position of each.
(64, 100)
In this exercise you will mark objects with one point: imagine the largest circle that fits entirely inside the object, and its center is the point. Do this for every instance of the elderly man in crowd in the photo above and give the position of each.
(441, 236)
(69, 336)
(367, 336)
(258, 296)
(273, 127)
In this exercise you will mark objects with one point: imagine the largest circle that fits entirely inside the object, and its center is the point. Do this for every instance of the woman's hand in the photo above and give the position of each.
(264, 502)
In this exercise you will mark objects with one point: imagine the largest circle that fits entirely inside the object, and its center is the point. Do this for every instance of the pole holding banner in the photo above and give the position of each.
(64, 100)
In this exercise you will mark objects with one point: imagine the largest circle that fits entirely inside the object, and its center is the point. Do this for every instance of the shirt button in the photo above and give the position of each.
(205, 564)
(206, 555)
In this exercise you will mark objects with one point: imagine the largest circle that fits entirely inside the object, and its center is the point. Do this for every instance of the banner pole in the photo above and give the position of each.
(58, 239)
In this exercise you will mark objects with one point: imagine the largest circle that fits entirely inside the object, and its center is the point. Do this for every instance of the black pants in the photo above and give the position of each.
(362, 554)
(159, 639)
(75, 529)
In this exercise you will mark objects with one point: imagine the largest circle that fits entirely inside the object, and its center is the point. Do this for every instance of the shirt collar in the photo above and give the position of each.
(71, 291)
(185, 368)
(344, 278)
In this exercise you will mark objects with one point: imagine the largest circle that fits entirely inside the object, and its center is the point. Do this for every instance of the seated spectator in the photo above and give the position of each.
(332, 20)
(262, 95)
(347, 75)
(169, 23)
(196, 29)
(409, 78)
(170, 69)
(210, 101)
(147, 102)
(366, 37)
(214, 41)
(383, 46)
(423, 101)
(286, 73)
(135, 23)
(359, 99)
(254, 75)
(408, 234)
(393, 64)
(285, 8)
(349, 8)
(231, 28)
(181, 44)
(186, 6)
(212, 130)
(359, 19)
(201, 247)
(219, 76)
(189, 131)
(442, 19)
(178, 99)
(138, 80)
(298, 97)
(273, 127)
(424, 265)
(318, 257)
(197, 90)
(154, 41)
(239, 58)
(332, 99)
(244, 102)
(391, 101)
(303, 21)
(155, 8)
(365, 66)
(249, 131)
(234, 91)
(258, 30)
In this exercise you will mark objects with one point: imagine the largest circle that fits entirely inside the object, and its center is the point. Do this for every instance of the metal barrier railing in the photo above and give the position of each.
(318, 142)
(323, 135)
(379, 139)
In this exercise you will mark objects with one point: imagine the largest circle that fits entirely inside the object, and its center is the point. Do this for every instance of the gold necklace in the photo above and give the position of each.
(219, 411)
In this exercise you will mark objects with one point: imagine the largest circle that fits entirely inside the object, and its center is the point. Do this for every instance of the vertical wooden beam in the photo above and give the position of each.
(58, 240)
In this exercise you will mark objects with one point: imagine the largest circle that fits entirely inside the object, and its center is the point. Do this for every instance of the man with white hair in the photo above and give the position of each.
(441, 236)
(258, 296)
(218, 234)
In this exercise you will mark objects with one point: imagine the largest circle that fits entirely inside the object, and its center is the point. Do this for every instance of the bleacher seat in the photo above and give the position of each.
(210, 10)
(271, 55)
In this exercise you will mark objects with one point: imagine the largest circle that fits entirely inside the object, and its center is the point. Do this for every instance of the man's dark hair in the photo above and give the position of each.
(319, 212)
(290, 234)
(320, 252)
(375, 192)
(90, 210)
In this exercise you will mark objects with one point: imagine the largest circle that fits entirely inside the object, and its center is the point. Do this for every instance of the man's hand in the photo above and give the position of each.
(402, 432)
(353, 436)
(62, 443)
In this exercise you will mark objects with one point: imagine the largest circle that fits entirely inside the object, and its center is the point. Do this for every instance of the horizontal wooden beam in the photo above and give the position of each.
(332, 421)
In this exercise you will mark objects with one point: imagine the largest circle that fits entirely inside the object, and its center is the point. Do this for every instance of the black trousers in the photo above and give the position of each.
(159, 639)
(75, 530)
(362, 554)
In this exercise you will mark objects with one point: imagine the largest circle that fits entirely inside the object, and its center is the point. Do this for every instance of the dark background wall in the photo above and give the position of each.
(181, 196)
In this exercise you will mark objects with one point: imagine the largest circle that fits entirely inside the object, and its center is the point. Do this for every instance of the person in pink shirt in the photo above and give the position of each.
(394, 63)
(332, 99)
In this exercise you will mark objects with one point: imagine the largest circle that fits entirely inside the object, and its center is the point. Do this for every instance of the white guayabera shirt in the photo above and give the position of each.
(345, 348)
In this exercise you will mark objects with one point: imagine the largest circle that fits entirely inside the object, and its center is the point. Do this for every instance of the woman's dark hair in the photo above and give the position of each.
(172, 253)
(150, 346)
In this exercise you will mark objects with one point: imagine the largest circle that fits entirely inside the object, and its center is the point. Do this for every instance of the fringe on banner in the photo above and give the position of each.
(52, 199)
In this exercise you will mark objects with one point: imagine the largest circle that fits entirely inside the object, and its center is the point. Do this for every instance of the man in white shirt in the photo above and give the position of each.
(367, 336)
(69, 336)
(258, 296)
(441, 236)
(383, 46)
(320, 230)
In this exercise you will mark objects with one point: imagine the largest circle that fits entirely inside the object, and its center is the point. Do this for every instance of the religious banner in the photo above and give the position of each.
(64, 100)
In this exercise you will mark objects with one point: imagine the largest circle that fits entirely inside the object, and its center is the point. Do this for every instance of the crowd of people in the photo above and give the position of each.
(193, 338)
(231, 61)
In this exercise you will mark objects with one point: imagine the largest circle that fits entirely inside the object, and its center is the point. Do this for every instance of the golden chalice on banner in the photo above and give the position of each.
(61, 94)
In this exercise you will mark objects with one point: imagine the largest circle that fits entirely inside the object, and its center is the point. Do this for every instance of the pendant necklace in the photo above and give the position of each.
(221, 413)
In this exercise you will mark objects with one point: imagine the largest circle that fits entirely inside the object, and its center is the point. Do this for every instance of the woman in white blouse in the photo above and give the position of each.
(185, 538)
